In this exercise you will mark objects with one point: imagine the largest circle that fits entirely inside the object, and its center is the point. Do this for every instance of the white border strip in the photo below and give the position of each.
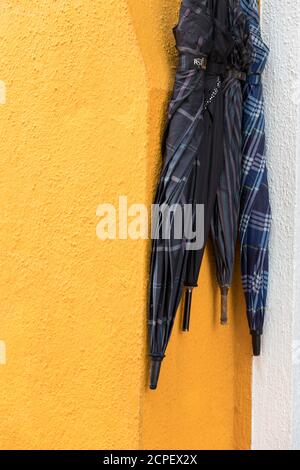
(274, 380)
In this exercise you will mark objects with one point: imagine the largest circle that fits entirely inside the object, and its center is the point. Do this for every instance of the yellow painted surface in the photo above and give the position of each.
(72, 307)
(87, 84)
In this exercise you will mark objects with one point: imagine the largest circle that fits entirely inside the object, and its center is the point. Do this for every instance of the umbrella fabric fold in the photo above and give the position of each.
(255, 218)
(200, 23)
(225, 220)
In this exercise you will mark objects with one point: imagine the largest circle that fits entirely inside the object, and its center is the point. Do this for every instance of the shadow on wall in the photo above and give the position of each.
(153, 22)
(203, 400)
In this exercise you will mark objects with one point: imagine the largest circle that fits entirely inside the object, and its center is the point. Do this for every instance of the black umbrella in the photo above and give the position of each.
(219, 184)
(211, 156)
(202, 26)
(225, 221)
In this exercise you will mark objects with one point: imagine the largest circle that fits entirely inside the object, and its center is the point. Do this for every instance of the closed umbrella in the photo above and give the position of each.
(255, 210)
(225, 142)
(211, 152)
(200, 23)
(225, 220)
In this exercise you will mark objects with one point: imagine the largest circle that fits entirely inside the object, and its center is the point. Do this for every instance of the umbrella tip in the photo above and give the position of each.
(224, 311)
(256, 344)
(187, 310)
(154, 373)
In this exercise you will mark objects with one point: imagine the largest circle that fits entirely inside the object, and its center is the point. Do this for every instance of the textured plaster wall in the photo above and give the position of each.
(72, 308)
(276, 374)
(296, 320)
(87, 85)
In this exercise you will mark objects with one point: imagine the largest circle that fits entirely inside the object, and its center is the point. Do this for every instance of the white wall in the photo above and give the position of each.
(276, 381)
(296, 344)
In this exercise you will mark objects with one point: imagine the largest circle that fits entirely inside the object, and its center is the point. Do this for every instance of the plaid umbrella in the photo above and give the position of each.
(200, 23)
(225, 221)
(255, 219)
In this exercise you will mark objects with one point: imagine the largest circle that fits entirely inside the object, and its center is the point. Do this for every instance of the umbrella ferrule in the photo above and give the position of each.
(224, 305)
(256, 343)
(155, 371)
(187, 308)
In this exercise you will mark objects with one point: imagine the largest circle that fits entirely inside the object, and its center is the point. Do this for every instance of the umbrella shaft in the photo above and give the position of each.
(224, 313)
(187, 309)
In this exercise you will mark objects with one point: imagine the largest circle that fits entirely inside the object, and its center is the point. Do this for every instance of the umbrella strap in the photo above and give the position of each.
(157, 357)
(189, 61)
(201, 62)
(216, 69)
(238, 75)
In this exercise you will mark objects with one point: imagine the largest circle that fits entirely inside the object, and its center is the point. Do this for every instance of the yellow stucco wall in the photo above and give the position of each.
(87, 84)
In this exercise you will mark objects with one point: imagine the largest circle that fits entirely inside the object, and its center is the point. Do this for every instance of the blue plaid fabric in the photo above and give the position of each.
(255, 219)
